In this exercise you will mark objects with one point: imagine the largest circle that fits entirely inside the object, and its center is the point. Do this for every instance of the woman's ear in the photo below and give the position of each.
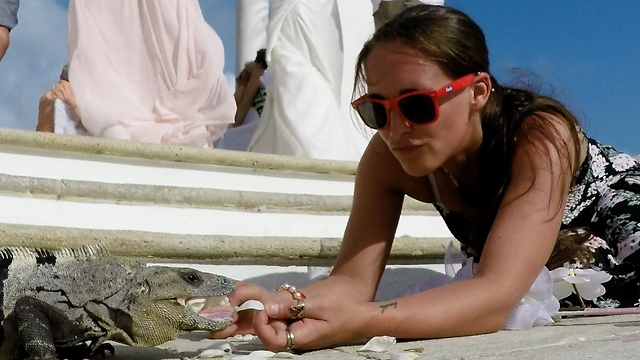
(480, 91)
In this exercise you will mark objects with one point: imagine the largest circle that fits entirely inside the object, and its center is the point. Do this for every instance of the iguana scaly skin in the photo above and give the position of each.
(71, 301)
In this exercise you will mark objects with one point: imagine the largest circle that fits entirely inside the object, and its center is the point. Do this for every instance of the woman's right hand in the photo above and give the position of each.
(257, 70)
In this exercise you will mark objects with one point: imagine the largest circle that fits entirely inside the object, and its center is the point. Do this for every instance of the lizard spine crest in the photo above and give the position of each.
(24, 254)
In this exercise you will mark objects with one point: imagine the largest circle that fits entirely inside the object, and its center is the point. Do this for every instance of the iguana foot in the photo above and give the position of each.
(102, 351)
(83, 351)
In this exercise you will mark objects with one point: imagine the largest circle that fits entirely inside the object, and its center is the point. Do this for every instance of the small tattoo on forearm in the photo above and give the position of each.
(386, 306)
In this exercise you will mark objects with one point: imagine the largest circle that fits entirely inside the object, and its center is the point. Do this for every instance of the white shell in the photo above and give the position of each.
(225, 346)
(250, 305)
(261, 354)
(212, 353)
(379, 344)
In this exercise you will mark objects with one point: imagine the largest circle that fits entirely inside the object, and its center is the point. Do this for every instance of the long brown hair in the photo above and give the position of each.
(454, 42)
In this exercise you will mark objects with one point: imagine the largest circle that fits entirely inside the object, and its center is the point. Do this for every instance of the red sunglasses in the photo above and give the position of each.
(419, 107)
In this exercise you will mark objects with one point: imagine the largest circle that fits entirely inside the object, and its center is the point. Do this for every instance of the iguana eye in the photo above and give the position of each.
(193, 278)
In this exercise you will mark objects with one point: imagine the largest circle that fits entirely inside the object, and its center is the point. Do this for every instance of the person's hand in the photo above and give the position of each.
(257, 70)
(330, 317)
(62, 91)
(244, 325)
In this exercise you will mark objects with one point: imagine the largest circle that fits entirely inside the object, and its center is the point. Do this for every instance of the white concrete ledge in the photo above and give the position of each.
(84, 145)
(214, 249)
(77, 190)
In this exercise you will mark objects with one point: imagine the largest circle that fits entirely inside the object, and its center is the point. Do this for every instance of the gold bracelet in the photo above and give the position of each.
(297, 295)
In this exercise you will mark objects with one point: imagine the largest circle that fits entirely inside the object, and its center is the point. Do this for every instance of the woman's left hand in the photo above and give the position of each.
(328, 320)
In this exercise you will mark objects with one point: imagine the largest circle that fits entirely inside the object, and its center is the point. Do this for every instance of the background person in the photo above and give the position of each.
(8, 20)
(311, 49)
(250, 96)
(149, 71)
(46, 107)
(511, 172)
(250, 91)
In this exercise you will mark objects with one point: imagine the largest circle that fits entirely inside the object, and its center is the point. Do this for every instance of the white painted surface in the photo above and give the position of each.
(224, 178)
(190, 220)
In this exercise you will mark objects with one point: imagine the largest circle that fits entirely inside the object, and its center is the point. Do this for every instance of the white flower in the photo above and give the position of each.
(537, 307)
(622, 162)
(598, 165)
(588, 282)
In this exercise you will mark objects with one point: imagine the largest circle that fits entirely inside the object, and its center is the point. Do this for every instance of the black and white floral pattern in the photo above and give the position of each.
(606, 199)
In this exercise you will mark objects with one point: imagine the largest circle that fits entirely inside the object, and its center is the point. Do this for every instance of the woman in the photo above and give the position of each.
(250, 96)
(510, 171)
(250, 92)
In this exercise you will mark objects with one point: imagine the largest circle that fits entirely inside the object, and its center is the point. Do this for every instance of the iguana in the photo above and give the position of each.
(68, 302)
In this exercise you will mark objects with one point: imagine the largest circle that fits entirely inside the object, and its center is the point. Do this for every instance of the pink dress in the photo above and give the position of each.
(149, 71)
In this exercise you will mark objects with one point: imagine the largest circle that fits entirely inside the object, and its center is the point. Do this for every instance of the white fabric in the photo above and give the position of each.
(537, 307)
(63, 121)
(148, 70)
(312, 45)
(238, 138)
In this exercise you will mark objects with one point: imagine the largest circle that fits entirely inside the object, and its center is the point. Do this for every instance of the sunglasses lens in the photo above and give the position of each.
(418, 108)
(373, 114)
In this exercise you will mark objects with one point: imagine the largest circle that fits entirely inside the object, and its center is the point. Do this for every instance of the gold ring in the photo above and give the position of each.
(298, 309)
(291, 340)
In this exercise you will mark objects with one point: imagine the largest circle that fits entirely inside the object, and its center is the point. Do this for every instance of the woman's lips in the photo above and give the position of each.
(405, 148)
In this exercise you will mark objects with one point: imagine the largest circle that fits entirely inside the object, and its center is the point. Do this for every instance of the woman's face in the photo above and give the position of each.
(393, 69)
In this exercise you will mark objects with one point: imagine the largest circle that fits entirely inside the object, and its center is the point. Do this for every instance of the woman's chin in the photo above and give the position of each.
(416, 170)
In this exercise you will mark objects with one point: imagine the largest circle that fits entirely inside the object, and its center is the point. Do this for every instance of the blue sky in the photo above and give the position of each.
(586, 52)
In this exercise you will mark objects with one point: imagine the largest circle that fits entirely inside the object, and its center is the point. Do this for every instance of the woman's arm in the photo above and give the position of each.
(245, 101)
(4, 41)
(363, 255)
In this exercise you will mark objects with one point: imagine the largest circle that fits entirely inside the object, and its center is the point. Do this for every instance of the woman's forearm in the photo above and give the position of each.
(246, 100)
(464, 308)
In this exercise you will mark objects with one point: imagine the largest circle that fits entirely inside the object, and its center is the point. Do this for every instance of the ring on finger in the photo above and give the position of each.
(291, 340)
(298, 309)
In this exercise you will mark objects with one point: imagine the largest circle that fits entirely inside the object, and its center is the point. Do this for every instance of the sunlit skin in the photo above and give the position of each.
(4, 41)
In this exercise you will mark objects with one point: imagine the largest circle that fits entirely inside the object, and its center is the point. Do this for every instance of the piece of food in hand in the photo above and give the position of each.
(250, 305)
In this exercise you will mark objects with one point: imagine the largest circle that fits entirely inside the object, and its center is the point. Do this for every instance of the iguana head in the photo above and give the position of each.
(170, 301)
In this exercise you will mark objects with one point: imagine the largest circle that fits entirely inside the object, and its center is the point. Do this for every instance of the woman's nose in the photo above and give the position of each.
(397, 123)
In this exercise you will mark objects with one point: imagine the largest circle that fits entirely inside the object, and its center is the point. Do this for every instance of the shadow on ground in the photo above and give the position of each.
(393, 281)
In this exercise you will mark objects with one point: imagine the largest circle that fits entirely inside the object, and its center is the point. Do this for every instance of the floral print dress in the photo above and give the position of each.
(606, 199)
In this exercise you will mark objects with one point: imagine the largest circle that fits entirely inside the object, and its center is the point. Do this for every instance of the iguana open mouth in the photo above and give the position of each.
(214, 308)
